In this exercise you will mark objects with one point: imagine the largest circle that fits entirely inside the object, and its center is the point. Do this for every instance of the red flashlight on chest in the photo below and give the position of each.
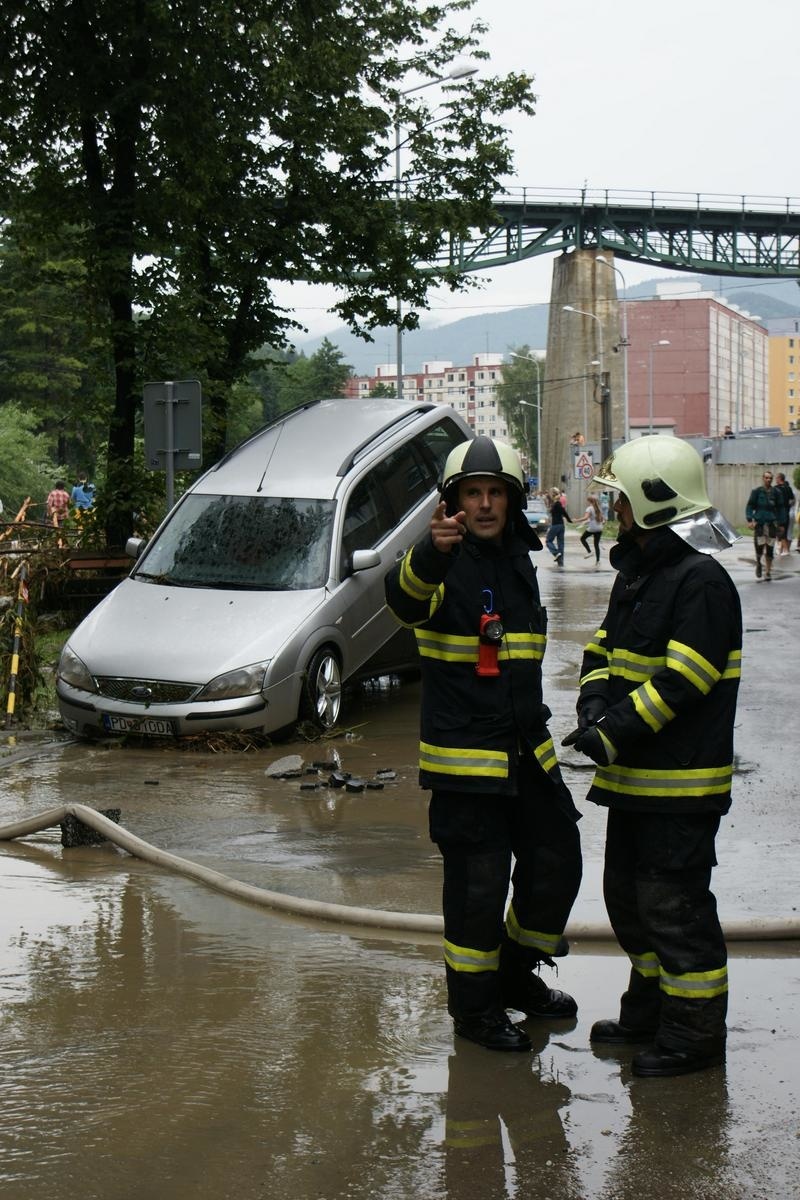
(490, 636)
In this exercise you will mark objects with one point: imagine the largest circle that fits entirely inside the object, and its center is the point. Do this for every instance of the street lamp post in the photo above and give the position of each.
(653, 347)
(605, 390)
(457, 71)
(625, 342)
(538, 406)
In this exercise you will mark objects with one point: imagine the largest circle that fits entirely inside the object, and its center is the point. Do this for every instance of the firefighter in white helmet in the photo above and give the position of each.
(658, 691)
(469, 591)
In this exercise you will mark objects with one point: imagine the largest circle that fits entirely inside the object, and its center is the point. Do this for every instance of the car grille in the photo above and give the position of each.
(161, 691)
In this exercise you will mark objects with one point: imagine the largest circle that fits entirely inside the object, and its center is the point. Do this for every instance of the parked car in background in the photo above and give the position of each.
(261, 593)
(537, 514)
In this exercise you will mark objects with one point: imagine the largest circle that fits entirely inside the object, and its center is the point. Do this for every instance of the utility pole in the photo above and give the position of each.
(605, 416)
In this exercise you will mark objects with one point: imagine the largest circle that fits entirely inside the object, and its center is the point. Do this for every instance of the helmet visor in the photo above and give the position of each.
(709, 532)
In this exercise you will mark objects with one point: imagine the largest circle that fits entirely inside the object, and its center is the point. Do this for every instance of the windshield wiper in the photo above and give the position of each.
(165, 578)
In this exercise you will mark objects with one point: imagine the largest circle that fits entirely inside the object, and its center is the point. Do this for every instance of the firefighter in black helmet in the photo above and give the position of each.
(469, 591)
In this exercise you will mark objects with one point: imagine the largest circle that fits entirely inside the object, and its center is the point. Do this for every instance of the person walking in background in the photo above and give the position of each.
(469, 591)
(555, 534)
(594, 528)
(658, 690)
(764, 515)
(785, 530)
(57, 503)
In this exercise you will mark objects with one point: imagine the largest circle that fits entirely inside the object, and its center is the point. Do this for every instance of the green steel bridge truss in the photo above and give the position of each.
(711, 234)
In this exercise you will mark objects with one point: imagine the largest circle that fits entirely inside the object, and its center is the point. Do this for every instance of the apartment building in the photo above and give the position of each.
(471, 390)
(784, 373)
(696, 364)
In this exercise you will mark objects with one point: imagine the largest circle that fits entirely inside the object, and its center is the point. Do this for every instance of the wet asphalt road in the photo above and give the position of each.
(162, 1040)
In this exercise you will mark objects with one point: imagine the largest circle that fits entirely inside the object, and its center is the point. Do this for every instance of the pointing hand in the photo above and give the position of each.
(447, 532)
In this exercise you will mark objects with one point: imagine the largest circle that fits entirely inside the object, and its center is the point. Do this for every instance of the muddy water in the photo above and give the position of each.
(162, 1040)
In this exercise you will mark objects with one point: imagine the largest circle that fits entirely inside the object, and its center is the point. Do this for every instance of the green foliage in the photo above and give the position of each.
(383, 389)
(796, 478)
(289, 381)
(517, 395)
(202, 152)
(54, 360)
(25, 461)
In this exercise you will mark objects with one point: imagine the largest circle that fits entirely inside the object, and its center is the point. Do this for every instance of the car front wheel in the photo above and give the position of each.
(322, 690)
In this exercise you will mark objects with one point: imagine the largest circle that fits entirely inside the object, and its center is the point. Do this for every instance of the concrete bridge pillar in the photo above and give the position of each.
(579, 350)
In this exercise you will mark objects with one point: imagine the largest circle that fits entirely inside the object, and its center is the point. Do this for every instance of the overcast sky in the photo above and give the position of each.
(690, 96)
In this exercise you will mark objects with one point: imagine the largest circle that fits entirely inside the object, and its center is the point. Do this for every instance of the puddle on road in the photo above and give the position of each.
(162, 1040)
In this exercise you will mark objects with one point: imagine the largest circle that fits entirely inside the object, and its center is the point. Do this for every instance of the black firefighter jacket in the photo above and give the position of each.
(473, 727)
(667, 659)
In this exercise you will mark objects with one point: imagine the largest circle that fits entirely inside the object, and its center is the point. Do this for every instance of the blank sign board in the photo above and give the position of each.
(173, 425)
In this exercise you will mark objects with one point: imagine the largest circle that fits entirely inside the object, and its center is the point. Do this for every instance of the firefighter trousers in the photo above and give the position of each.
(656, 885)
(477, 835)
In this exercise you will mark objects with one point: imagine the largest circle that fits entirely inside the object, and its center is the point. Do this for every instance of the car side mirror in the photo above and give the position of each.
(134, 547)
(363, 560)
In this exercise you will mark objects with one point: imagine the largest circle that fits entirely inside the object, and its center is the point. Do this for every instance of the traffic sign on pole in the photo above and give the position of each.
(584, 467)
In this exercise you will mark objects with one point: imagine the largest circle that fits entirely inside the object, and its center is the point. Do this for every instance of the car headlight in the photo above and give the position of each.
(244, 681)
(73, 671)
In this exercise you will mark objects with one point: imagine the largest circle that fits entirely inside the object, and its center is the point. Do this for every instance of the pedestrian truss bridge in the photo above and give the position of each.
(712, 234)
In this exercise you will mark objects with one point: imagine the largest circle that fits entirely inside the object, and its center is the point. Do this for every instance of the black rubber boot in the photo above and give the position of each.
(612, 1033)
(524, 989)
(493, 1030)
(536, 999)
(658, 1061)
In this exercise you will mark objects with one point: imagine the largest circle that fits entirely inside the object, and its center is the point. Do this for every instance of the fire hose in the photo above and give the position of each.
(755, 929)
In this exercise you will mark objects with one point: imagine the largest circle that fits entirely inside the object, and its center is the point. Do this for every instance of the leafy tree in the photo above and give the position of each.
(53, 361)
(383, 389)
(288, 380)
(206, 151)
(25, 462)
(517, 396)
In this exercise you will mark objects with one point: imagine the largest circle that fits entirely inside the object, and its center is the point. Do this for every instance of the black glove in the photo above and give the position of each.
(594, 744)
(590, 711)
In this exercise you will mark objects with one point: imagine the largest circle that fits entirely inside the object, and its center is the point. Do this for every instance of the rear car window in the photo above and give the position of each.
(396, 485)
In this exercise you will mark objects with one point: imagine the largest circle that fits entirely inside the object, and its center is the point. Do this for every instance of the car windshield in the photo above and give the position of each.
(258, 542)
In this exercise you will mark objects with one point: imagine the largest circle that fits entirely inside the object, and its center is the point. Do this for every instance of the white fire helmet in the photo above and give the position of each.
(664, 480)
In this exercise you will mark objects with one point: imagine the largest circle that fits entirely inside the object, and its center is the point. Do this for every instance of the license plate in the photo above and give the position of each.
(152, 726)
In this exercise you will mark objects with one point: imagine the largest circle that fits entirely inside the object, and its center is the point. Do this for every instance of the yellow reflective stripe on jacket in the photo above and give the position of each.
(546, 755)
(447, 760)
(695, 985)
(533, 938)
(639, 781)
(636, 667)
(596, 646)
(650, 706)
(687, 662)
(464, 958)
(646, 964)
(411, 584)
(591, 676)
(733, 667)
(452, 647)
(447, 647)
(523, 645)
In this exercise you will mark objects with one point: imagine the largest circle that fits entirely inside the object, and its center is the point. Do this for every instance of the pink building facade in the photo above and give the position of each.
(695, 366)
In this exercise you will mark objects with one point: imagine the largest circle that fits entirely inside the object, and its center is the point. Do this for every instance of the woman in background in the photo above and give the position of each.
(593, 518)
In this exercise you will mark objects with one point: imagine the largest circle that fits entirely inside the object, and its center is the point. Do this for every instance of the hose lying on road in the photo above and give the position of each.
(756, 929)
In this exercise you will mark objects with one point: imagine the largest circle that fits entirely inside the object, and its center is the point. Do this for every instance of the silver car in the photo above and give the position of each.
(261, 592)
